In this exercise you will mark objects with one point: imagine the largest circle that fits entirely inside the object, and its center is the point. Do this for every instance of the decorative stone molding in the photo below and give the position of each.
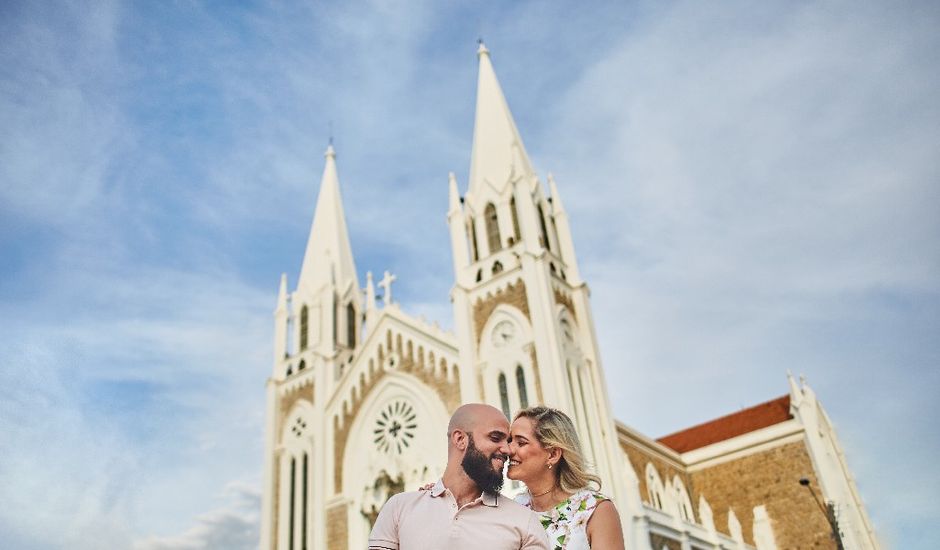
(659, 542)
(565, 300)
(513, 294)
(442, 378)
(288, 401)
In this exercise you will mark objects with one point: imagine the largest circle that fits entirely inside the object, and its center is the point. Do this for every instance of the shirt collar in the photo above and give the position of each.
(486, 498)
(438, 488)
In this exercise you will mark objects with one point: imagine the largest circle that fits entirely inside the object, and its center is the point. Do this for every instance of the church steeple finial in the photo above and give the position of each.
(328, 258)
(498, 153)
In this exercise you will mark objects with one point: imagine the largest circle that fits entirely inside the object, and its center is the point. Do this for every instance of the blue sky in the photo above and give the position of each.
(752, 188)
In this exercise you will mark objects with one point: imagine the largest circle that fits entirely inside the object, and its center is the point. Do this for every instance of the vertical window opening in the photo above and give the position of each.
(545, 242)
(303, 509)
(520, 383)
(304, 314)
(293, 494)
(351, 325)
(474, 247)
(515, 219)
(492, 228)
(335, 315)
(504, 394)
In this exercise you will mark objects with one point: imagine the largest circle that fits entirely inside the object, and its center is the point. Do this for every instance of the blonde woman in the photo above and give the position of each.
(545, 454)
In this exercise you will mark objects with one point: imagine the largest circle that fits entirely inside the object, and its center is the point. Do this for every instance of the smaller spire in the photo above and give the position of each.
(370, 292)
(556, 198)
(282, 294)
(796, 395)
(808, 392)
(482, 49)
(454, 193)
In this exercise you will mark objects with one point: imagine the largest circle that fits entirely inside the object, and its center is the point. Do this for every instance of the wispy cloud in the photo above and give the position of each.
(233, 527)
(751, 189)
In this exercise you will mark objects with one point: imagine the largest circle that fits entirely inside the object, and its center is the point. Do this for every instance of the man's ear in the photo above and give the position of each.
(459, 439)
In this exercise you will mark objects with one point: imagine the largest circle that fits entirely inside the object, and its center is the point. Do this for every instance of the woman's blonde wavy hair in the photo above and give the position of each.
(554, 428)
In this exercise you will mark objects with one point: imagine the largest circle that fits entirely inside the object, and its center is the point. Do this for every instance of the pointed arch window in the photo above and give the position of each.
(545, 241)
(293, 499)
(683, 502)
(335, 318)
(492, 228)
(504, 394)
(520, 384)
(303, 508)
(304, 325)
(474, 247)
(350, 325)
(515, 220)
(654, 487)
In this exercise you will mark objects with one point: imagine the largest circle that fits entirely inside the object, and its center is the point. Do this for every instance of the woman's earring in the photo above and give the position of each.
(549, 466)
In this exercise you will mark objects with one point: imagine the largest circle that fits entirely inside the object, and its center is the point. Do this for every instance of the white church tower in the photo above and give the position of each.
(522, 312)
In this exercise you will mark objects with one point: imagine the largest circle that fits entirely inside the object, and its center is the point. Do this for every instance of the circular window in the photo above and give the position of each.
(395, 427)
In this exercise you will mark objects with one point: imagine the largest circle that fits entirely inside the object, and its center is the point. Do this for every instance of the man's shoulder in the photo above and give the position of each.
(508, 505)
(405, 498)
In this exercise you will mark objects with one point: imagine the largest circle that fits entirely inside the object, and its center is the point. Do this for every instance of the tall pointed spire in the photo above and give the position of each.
(498, 153)
(328, 259)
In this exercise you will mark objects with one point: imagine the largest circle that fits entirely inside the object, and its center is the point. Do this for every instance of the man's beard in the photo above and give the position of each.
(480, 469)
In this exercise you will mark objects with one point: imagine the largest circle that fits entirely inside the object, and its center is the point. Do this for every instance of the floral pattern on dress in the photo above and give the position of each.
(566, 523)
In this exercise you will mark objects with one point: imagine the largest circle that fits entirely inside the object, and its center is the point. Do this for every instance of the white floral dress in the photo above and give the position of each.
(566, 524)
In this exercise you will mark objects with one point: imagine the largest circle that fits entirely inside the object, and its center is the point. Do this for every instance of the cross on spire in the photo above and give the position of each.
(386, 285)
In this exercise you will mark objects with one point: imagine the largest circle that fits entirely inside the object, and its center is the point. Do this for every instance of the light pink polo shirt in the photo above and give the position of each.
(430, 520)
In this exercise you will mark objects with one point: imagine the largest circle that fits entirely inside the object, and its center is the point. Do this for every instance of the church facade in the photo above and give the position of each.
(361, 392)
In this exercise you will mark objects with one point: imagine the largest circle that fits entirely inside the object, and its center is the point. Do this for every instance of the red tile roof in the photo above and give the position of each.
(732, 425)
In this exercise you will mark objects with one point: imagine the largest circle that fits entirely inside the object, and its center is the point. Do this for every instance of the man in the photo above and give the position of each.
(464, 510)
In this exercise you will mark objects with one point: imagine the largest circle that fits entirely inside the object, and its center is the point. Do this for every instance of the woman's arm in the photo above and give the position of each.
(603, 528)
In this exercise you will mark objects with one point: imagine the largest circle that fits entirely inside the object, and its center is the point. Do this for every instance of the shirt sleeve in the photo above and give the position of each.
(536, 538)
(384, 534)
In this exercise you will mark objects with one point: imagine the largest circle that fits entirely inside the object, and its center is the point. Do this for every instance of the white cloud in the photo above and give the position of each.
(233, 527)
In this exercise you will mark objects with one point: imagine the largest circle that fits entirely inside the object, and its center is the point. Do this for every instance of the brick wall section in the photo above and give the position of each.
(639, 456)
(771, 478)
(337, 536)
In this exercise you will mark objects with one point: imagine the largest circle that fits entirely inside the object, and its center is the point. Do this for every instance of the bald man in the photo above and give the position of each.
(464, 510)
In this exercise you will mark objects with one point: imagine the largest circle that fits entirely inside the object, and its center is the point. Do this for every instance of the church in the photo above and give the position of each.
(361, 392)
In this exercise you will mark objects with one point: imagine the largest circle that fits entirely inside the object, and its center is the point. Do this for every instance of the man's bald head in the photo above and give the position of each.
(469, 417)
(478, 445)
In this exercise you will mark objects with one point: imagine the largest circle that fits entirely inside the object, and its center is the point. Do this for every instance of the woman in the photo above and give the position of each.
(545, 454)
